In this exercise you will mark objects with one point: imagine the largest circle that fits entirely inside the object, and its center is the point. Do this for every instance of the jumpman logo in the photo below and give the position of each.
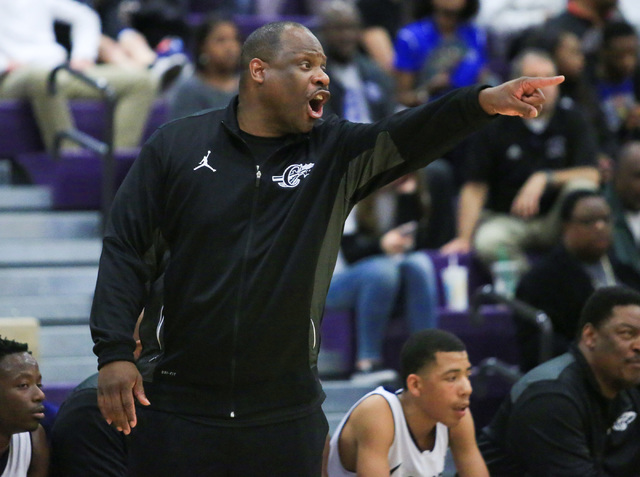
(204, 163)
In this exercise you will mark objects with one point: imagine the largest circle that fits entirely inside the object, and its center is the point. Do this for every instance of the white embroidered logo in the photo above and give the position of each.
(204, 163)
(624, 420)
(292, 175)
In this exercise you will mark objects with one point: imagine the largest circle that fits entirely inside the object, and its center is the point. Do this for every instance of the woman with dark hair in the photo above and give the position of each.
(215, 79)
(441, 51)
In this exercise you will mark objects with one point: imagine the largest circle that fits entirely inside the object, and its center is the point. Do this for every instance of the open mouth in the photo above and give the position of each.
(317, 102)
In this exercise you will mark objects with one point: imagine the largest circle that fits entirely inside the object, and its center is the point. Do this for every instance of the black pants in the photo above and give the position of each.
(164, 444)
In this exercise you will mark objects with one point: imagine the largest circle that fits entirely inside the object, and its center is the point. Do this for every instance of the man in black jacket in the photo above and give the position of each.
(562, 281)
(576, 415)
(251, 201)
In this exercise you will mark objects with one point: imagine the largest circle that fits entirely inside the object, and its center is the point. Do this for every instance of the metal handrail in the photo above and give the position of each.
(103, 148)
(521, 311)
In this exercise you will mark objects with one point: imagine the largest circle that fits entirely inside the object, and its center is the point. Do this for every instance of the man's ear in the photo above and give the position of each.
(589, 335)
(257, 69)
(414, 384)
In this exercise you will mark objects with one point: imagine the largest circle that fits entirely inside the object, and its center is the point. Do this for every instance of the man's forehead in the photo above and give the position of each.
(296, 40)
(625, 315)
(16, 363)
(451, 360)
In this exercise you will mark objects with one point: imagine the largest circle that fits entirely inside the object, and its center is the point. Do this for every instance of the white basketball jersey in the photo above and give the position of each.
(19, 456)
(405, 459)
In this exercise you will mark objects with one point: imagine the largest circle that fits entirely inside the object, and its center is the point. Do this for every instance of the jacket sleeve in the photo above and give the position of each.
(406, 141)
(547, 433)
(123, 275)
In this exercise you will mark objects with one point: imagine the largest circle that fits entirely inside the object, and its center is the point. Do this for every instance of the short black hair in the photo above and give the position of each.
(425, 8)
(203, 30)
(421, 348)
(570, 201)
(599, 307)
(264, 42)
(8, 347)
(616, 29)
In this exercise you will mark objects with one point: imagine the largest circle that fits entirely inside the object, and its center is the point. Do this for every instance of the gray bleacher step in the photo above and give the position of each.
(50, 224)
(65, 309)
(23, 281)
(65, 341)
(28, 197)
(49, 252)
(67, 370)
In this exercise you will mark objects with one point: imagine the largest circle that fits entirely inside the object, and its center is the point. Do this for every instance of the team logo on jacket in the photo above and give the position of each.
(204, 163)
(292, 175)
(624, 420)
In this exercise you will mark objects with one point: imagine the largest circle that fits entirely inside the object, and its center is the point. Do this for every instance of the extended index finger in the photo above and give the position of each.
(542, 82)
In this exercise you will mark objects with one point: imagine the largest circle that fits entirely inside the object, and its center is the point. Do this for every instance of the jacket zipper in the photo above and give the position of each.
(236, 319)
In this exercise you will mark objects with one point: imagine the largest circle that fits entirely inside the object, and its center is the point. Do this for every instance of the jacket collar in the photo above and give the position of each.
(230, 122)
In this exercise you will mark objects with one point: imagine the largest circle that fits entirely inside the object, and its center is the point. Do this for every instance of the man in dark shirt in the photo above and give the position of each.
(519, 170)
(576, 415)
(562, 281)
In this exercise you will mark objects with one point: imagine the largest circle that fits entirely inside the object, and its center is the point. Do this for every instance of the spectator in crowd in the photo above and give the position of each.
(585, 18)
(562, 281)
(381, 21)
(28, 52)
(623, 195)
(271, 7)
(215, 79)
(617, 80)
(144, 34)
(441, 51)
(576, 414)
(507, 18)
(519, 171)
(383, 244)
(411, 430)
(24, 451)
(360, 90)
(566, 51)
(252, 202)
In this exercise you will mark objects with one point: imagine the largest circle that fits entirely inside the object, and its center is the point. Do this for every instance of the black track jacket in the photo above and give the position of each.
(253, 249)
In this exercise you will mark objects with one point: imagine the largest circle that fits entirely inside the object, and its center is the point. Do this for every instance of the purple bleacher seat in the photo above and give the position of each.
(494, 338)
(76, 178)
(18, 130)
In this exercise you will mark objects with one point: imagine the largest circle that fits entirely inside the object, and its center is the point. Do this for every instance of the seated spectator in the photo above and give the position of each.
(23, 444)
(380, 240)
(623, 195)
(28, 52)
(144, 34)
(519, 170)
(271, 7)
(566, 51)
(585, 18)
(575, 415)
(562, 281)
(410, 431)
(381, 21)
(360, 90)
(216, 77)
(441, 51)
(617, 80)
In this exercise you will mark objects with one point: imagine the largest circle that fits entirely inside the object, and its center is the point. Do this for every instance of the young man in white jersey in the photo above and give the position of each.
(23, 444)
(408, 433)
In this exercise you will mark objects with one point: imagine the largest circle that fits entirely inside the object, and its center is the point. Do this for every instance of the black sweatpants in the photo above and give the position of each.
(168, 445)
